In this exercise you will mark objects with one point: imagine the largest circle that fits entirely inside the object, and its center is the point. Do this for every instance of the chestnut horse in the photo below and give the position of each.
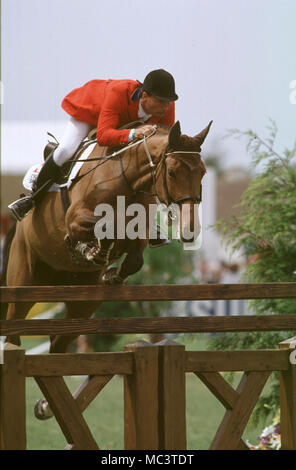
(51, 248)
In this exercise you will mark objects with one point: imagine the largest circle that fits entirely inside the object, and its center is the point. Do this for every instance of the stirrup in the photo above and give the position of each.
(21, 207)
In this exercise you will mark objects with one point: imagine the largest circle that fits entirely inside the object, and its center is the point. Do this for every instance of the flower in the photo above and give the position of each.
(270, 438)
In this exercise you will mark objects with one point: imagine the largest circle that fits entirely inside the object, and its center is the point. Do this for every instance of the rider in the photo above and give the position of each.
(107, 105)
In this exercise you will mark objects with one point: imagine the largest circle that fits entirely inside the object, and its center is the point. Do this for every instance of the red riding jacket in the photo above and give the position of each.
(110, 104)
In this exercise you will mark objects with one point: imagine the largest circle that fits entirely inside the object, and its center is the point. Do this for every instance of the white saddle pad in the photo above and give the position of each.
(33, 172)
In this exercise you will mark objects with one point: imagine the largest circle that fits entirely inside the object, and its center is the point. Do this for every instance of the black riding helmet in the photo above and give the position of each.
(160, 84)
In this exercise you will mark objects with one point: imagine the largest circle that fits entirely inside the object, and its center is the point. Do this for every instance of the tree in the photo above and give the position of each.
(266, 232)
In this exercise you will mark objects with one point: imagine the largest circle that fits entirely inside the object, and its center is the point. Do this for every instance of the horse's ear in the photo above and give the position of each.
(174, 135)
(200, 138)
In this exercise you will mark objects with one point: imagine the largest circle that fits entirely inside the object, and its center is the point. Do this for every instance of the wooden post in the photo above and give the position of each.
(172, 395)
(288, 397)
(13, 399)
(141, 399)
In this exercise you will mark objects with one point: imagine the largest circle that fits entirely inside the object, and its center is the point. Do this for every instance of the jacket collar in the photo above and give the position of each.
(136, 95)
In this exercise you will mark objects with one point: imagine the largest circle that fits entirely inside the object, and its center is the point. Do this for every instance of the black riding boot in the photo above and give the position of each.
(49, 174)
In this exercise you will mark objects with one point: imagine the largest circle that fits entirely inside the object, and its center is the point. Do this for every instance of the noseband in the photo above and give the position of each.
(170, 200)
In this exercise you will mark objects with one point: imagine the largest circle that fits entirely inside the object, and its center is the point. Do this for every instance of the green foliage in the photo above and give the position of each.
(266, 232)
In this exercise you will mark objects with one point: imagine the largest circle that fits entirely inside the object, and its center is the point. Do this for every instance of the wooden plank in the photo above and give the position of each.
(219, 387)
(232, 427)
(148, 292)
(45, 365)
(12, 399)
(141, 399)
(172, 396)
(288, 408)
(242, 446)
(67, 412)
(87, 392)
(289, 343)
(149, 325)
(288, 397)
(224, 392)
(89, 389)
(222, 361)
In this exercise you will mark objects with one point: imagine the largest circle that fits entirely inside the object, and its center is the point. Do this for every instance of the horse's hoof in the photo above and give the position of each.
(111, 278)
(42, 409)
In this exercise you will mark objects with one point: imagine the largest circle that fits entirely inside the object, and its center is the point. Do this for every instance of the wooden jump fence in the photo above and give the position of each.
(154, 374)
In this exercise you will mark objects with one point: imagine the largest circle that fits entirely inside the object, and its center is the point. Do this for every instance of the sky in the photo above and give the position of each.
(232, 60)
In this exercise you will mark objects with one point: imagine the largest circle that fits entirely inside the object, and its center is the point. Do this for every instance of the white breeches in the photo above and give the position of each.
(75, 132)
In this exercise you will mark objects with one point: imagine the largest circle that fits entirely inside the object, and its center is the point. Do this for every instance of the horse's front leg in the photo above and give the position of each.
(80, 223)
(131, 264)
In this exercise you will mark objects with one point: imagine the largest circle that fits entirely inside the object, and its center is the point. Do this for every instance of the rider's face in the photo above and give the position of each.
(154, 106)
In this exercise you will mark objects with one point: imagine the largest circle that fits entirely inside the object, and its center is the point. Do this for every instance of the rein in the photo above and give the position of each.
(107, 157)
(196, 199)
(102, 160)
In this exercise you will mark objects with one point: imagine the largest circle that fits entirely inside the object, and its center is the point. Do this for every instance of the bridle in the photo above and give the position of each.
(196, 199)
(169, 200)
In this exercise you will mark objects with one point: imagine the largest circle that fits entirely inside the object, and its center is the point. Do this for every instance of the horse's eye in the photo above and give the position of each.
(171, 173)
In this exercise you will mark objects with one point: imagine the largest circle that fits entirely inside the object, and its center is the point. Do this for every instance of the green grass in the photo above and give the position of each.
(105, 414)
(105, 417)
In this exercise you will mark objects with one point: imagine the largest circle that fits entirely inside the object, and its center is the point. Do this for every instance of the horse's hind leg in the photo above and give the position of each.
(59, 344)
(19, 273)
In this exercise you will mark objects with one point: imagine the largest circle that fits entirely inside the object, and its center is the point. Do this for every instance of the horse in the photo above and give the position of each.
(49, 247)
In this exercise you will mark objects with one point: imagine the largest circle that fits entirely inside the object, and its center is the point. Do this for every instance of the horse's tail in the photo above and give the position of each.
(4, 263)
